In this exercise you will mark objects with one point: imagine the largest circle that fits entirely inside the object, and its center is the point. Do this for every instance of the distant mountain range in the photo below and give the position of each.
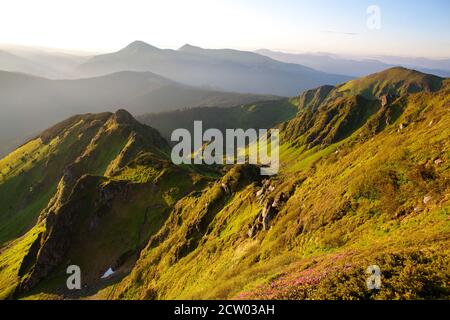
(140, 77)
(146, 79)
(42, 62)
(140, 56)
(30, 104)
(226, 69)
(360, 67)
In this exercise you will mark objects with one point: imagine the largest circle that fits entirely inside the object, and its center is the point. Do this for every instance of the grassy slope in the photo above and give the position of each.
(129, 155)
(11, 257)
(355, 194)
(31, 173)
(260, 115)
(348, 209)
(396, 80)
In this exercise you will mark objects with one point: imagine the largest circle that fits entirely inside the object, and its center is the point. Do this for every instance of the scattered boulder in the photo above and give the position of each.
(251, 230)
(279, 200)
(271, 207)
(438, 161)
(260, 192)
(427, 199)
(225, 188)
(266, 187)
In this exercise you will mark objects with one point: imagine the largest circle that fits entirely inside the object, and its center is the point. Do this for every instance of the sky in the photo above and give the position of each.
(402, 27)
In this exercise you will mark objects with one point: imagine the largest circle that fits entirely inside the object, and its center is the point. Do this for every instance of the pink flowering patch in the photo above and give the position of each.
(293, 284)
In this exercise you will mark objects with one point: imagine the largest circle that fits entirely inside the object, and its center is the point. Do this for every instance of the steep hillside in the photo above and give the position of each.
(31, 104)
(260, 115)
(371, 189)
(364, 180)
(391, 83)
(398, 81)
(89, 190)
(229, 70)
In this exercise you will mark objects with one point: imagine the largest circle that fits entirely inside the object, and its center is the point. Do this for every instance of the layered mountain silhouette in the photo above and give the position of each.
(63, 64)
(30, 104)
(222, 69)
(359, 67)
(364, 180)
(41, 62)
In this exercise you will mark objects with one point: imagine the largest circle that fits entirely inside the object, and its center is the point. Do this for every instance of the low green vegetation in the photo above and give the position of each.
(362, 182)
(259, 115)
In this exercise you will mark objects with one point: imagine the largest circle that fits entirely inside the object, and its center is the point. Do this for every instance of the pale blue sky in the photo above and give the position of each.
(408, 27)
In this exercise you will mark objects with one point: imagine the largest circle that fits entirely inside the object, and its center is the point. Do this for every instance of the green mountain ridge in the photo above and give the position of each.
(45, 102)
(397, 81)
(83, 159)
(258, 115)
(364, 180)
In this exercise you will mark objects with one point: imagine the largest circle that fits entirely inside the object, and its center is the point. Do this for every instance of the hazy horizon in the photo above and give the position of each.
(87, 53)
(406, 29)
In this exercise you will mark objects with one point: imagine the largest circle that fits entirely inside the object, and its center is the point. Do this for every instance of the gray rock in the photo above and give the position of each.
(260, 192)
(427, 199)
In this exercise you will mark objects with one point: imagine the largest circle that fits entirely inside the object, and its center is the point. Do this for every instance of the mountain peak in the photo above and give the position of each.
(404, 73)
(140, 45)
(189, 48)
(396, 80)
(400, 71)
(123, 116)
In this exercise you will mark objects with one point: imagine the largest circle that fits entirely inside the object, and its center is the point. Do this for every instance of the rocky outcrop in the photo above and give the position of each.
(60, 224)
(331, 122)
(216, 197)
(271, 205)
(312, 99)
(387, 99)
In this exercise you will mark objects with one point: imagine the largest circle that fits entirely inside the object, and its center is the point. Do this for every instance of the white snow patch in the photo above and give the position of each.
(108, 273)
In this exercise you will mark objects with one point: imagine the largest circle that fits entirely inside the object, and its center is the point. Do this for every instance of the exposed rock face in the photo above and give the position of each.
(124, 117)
(89, 196)
(85, 152)
(110, 191)
(271, 206)
(331, 122)
(251, 230)
(313, 98)
(237, 178)
(267, 214)
(387, 99)
(60, 224)
(225, 188)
